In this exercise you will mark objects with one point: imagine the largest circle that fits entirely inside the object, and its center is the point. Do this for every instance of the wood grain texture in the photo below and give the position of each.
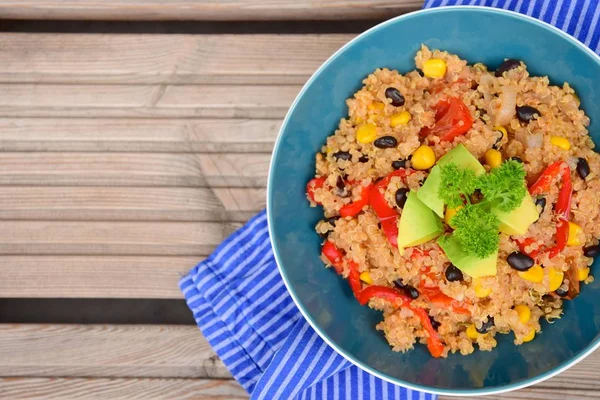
(112, 238)
(149, 101)
(168, 351)
(103, 277)
(138, 135)
(120, 388)
(163, 58)
(130, 203)
(228, 10)
(134, 169)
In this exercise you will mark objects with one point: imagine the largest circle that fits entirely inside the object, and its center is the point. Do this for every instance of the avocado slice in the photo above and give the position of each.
(418, 223)
(459, 155)
(518, 221)
(470, 265)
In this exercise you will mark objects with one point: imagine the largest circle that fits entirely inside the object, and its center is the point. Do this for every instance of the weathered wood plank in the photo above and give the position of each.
(138, 135)
(228, 10)
(164, 59)
(103, 277)
(168, 351)
(130, 203)
(110, 238)
(120, 388)
(149, 101)
(134, 169)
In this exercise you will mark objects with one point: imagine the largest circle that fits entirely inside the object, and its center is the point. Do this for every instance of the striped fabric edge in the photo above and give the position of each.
(244, 328)
(307, 368)
(577, 18)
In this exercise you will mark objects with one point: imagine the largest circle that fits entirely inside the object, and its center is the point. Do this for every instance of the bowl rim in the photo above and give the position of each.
(450, 392)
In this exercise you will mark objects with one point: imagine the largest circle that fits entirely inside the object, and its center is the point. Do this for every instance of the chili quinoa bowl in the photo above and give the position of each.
(325, 299)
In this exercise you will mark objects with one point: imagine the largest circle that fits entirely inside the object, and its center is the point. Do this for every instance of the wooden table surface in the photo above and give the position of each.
(125, 159)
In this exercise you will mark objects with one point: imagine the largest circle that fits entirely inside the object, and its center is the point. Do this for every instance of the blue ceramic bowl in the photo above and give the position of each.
(477, 35)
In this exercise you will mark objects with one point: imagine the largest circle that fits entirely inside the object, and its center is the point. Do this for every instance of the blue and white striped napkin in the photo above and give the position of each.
(242, 307)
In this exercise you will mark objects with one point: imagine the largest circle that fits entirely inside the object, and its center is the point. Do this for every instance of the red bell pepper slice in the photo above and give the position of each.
(434, 344)
(526, 242)
(390, 230)
(563, 203)
(543, 183)
(383, 292)
(336, 258)
(388, 216)
(352, 209)
(315, 183)
(441, 300)
(452, 119)
(354, 278)
(334, 255)
(561, 237)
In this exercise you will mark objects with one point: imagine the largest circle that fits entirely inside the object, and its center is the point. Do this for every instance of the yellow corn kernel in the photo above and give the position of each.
(502, 130)
(366, 133)
(480, 290)
(555, 278)
(423, 158)
(524, 313)
(434, 68)
(472, 332)
(529, 337)
(560, 142)
(534, 274)
(376, 105)
(574, 234)
(583, 273)
(366, 277)
(493, 158)
(450, 213)
(358, 120)
(401, 118)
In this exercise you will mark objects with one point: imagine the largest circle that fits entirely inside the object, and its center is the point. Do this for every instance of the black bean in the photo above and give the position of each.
(453, 274)
(434, 323)
(527, 113)
(363, 159)
(486, 326)
(342, 155)
(332, 220)
(399, 284)
(583, 168)
(399, 164)
(411, 291)
(541, 202)
(401, 196)
(507, 65)
(498, 143)
(394, 94)
(386, 142)
(561, 292)
(342, 190)
(520, 261)
(517, 159)
(591, 251)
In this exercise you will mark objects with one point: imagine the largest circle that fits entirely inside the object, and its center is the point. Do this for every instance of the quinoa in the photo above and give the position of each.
(363, 241)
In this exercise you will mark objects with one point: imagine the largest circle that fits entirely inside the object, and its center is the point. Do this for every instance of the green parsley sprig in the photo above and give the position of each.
(475, 227)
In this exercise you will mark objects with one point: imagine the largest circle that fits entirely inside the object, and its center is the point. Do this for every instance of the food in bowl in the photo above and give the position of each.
(460, 201)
